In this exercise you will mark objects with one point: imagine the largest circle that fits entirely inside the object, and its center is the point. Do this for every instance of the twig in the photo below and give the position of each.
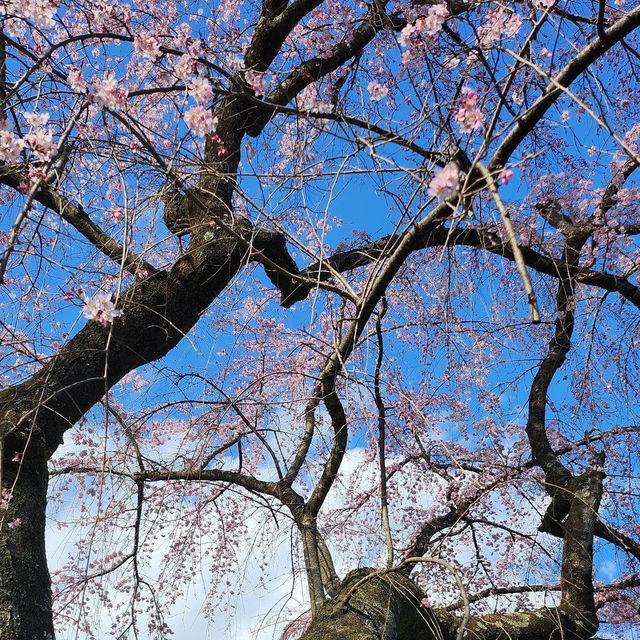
(513, 243)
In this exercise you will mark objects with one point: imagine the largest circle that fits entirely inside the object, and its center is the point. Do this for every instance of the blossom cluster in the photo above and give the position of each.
(257, 81)
(39, 12)
(200, 120)
(103, 92)
(446, 182)
(185, 66)
(101, 309)
(428, 25)
(146, 45)
(10, 145)
(200, 89)
(377, 91)
(106, 92)
(499, 22)
(38, 140)
(468, 115)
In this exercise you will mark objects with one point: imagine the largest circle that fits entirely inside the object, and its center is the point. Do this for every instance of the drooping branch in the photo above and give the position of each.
(76, 216)
(313, 69)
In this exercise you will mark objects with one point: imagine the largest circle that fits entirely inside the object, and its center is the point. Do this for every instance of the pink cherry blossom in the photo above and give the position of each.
(106, 92)
(468, 116)
(428, 25)
(76, 81)
(506, 175)
(101, 309)
(40, 12)
(405, 35)
(10, 146)
(201, 90)
(256, 81)
(39, 140)
(445, 182)
(185, 66)
(499, 22)
(200, 120)
(433, 21)
(147, 46)
(377, 91)
(41, 143)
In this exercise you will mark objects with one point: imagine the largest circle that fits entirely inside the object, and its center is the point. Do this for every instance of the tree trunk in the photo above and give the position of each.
(25, 591)
(386, 606)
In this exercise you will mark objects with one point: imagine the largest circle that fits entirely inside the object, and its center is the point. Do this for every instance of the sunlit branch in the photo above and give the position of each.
(563, 79)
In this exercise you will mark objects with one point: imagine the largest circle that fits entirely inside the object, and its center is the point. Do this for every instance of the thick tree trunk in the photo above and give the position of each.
(387, 607)
(25, 589)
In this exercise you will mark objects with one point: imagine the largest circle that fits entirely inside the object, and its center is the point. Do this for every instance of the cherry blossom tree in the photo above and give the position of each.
(358, 274)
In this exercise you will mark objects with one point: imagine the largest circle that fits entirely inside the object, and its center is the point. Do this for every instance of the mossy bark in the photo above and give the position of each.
(386, 606)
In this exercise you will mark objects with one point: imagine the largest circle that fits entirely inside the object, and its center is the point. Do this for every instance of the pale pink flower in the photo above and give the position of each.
(76, 81)
(40, 12)
(200, 120)
(106, 92)
(405, 35)
(40, 142)
(445, 182)
(101, 309)
(433, 21)
(185, 66)
(200, 89)
(377, 91)
(101, 12)
(499, 22)
(14, 524)
(512, 25)
(10, 146)
(308, 100)
(256, 81)
(468, 116)
(147, 46)
(36, 119)
(36, 175)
